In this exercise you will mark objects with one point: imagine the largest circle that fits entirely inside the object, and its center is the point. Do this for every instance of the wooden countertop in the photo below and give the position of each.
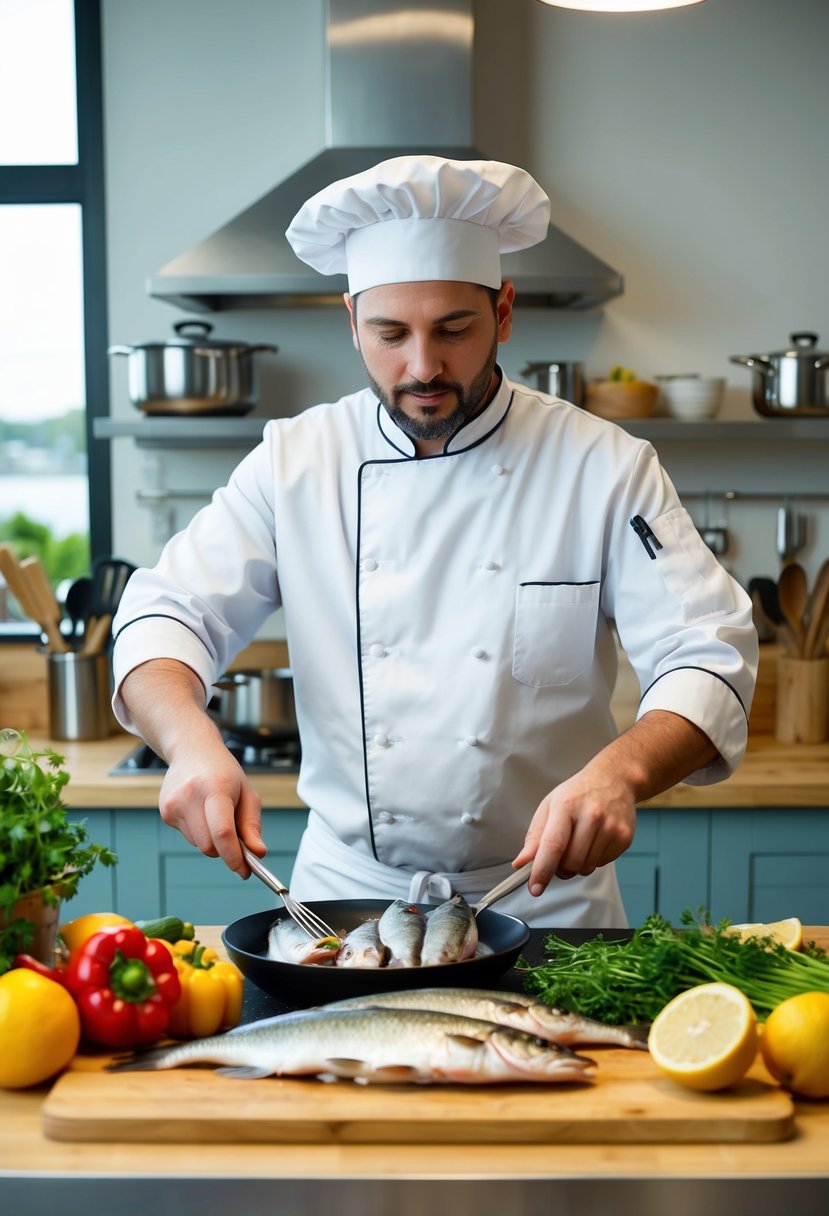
(772, 774)
(25, 1152)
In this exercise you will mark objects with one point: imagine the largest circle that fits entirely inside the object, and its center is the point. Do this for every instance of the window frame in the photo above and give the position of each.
(82, 183)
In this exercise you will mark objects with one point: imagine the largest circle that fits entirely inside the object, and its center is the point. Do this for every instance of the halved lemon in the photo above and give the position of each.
(788, 932)
(706, 1037)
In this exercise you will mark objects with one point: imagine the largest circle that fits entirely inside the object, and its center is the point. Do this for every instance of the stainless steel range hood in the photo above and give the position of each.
(399, 80)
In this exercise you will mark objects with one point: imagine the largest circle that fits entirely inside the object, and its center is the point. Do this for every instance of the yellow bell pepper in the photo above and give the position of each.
(211, 992)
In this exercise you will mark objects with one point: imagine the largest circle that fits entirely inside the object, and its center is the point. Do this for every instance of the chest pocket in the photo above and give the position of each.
(555, 632)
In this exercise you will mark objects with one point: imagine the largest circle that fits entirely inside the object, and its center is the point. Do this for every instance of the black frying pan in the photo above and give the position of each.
(296, 984)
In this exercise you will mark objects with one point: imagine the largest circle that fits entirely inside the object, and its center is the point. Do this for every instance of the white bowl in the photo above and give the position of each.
(692, 398)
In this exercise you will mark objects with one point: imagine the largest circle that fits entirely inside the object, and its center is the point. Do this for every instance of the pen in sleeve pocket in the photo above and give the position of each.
(646, 534)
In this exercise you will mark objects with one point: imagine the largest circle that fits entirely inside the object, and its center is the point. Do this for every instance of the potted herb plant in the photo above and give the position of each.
(43, 853)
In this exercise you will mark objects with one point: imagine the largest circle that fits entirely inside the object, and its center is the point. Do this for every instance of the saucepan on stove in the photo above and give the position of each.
(192, 373)
(501, 939)
(257, 706)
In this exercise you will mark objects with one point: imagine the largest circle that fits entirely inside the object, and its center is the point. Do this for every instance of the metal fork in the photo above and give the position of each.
(304, 917)
(503, 888)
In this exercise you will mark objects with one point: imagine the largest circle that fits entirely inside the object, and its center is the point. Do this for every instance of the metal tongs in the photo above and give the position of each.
(503, 888)
(304, 917)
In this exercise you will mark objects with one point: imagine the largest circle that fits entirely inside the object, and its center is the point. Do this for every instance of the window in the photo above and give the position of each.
(54, 480)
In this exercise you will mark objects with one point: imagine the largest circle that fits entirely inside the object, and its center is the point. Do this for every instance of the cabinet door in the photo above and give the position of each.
(666, 868)
(96, 890)
(768, 864)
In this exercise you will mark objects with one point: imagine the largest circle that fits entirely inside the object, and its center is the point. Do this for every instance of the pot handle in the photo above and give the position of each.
(203, 328)
(120, 350)
(759, 362)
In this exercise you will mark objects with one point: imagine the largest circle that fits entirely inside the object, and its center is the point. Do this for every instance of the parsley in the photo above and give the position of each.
(630, 981)
(39, 845)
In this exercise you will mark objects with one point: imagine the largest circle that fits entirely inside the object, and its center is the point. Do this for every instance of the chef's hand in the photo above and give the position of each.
(589, 820)
(207, 797)
(583, 823)
(205, 794)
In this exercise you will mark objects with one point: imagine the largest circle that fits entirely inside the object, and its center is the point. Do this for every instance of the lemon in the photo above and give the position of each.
(788, 932)
(795, 1044)
(40, 1028)
(706, 1037)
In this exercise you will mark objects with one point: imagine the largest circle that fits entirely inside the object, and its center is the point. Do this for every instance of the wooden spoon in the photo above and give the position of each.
(818, 615)
(793, 590)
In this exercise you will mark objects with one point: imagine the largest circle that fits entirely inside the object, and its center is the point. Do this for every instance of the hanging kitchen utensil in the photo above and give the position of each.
(192, 373)
(793, 590)
(792, 381)
(791, 532)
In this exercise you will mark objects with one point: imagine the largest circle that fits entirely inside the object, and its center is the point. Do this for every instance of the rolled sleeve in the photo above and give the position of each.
(712, 704)
(156, 637)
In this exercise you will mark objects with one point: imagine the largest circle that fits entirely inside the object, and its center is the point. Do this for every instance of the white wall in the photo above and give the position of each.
(686, 148)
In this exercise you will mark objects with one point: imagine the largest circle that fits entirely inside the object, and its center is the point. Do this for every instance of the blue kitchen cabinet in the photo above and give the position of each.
(767, 864)
(666, 868)
(159, 873)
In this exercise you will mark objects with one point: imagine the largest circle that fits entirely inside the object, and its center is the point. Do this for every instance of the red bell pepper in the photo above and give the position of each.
(125, 987)
(34, 964)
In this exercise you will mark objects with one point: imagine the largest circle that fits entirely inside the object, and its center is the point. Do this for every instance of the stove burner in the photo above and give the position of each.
(273, 756)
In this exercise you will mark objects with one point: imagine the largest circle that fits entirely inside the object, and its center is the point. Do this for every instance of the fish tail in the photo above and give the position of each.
(144, 1059)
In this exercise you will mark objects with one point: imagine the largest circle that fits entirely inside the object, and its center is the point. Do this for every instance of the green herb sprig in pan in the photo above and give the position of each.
(631, 981)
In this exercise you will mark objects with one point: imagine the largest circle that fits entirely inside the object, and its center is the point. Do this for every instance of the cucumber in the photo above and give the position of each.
(167, 928)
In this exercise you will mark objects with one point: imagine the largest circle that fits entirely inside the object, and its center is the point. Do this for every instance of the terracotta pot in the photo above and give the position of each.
(44, 917)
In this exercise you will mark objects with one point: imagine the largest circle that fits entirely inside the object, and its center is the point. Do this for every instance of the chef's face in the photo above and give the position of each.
(429, 352)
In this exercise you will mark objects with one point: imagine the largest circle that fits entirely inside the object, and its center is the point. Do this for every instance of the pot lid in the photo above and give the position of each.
(803, 346)
(199, 337)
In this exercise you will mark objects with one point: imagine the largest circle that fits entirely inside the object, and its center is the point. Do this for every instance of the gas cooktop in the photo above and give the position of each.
(261, 758)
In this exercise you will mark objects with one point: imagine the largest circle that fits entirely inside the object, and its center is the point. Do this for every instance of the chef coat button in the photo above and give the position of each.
(381, 741)
(467, 819)
(385, 817)
(490, 565)
(478, 652)
(369, 565)
(498, 469)
(376, 650)
(472, 740)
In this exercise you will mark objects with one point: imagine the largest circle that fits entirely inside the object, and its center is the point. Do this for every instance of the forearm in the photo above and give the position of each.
(167, 702)
(589, 820)
(655, 753)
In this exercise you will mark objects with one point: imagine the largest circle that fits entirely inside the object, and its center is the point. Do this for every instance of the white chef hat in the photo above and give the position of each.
(417, 218)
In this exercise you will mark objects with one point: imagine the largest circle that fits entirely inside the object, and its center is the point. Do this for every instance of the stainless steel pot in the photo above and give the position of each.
(258, 705)
(790, 381)
(565, 380)
(192, 373)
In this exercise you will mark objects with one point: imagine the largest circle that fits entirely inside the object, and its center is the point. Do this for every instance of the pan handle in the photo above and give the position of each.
(503, 888)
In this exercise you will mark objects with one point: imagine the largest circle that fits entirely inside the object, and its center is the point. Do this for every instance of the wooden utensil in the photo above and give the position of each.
(793, 590)
(97, 635)
(818, 613)
(43, 597)
(10, 569)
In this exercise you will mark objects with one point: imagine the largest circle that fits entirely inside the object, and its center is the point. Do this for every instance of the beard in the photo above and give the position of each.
(471, 399)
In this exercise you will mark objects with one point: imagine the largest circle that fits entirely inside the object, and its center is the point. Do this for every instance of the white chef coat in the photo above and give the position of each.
(449, 626)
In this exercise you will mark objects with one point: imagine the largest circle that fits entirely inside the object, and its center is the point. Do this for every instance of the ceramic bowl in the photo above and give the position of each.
(692, 398)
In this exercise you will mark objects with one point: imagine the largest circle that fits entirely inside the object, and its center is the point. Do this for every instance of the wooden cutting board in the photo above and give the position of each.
(628, 1102)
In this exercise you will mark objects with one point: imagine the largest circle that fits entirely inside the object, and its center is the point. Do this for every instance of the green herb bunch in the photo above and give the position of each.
(630, 981)
(40, 847)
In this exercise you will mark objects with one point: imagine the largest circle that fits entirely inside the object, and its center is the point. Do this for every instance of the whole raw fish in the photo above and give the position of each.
(508, 1009)
(375, 1045)
(402, 928)
(451, 933)
(362, 947)
(287, 943)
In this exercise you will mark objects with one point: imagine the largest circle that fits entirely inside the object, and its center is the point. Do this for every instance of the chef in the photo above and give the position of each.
(452, 552)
